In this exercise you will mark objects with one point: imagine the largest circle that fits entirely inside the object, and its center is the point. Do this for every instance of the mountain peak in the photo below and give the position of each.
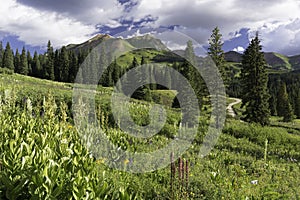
(99, 37)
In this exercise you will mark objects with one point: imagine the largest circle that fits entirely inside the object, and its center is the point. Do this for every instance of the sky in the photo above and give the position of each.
(31, 23)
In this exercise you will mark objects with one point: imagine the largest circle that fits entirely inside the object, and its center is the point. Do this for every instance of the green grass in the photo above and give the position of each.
(148, 54)
(239, 157)
(285, 59)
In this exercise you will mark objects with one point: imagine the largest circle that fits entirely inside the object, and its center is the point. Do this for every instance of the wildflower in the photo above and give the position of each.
(64, 141)
(100, 161)
(126, 161)
(254, 182)
(214, 174)
(70, 126)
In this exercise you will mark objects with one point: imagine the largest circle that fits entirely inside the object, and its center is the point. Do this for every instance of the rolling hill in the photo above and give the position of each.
(275, 61)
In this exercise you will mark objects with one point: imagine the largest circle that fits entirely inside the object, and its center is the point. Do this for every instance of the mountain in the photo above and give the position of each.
(90, 44)
(275, 61)
(233, 56)
(147, 41)
(278, 61)
(154, 50)
(147, 46)
(295, 62)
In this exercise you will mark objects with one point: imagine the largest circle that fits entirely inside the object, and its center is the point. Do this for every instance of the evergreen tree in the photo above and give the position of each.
(284, 108)
(116, 73)
(143, 61)
(168, 79)
(297, 105)
(43, 61)
(24, 63)
(147, 77)
(17, 62)
(103, 62)
(254, 82)
(29, 60)
(136, 80)
(189, 53)
(153, 86)
(64, 64)
(1, 53)
(57, 69)
(190, 73)
(36, 66)
(189, 111)
(134, 63)
(8, 58)
(49, 65)
(73, 66)
(216, 53)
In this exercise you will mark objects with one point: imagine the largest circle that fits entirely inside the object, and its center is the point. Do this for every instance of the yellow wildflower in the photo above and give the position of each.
(126, 161)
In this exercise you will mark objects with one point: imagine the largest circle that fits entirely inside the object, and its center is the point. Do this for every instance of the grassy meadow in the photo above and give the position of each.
(43, 157)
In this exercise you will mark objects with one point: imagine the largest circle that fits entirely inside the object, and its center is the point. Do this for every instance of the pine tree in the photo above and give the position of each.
(17, 62)
(143, 61)
(57, 69)
(139, 93)
(73, 67)
(254, 82)
(8, 58)
(216, 53)
(153, 84)
(1, 53)
(189, 111)
(23, 63)
(191, 73)
(103, 61)
(49, 65)
(43, 61)
(36, 66)
(297, 105)
(116, 71)
(284, 108)
(64, 64)
(189, 53)
(29, 60)
(167, 77)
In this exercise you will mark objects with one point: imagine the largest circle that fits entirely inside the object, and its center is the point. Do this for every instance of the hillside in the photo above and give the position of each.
(156, 51)
(44, 149)
(275, 61)
(295, 61)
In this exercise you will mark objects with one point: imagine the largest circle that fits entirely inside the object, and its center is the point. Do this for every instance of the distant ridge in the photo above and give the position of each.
(274, 60)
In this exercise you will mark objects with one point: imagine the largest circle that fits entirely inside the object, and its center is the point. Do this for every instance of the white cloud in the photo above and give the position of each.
(86, 11)
(201, 16)
(37, 26)
(282, 37)
(73, 21)
(239, 49)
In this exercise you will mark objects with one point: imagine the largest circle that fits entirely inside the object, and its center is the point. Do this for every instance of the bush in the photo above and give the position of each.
(6, 71)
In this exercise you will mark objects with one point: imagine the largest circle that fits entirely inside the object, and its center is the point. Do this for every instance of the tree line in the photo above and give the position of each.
(58, 65)
(262, 94)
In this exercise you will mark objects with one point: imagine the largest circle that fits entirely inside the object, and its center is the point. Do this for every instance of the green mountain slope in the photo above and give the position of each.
(275, 61)
(153, 50)
(295, 62)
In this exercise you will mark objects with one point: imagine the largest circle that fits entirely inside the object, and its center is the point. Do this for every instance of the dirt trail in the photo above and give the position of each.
(230, 106)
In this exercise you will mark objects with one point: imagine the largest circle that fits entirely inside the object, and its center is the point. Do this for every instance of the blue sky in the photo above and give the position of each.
(33, 22)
